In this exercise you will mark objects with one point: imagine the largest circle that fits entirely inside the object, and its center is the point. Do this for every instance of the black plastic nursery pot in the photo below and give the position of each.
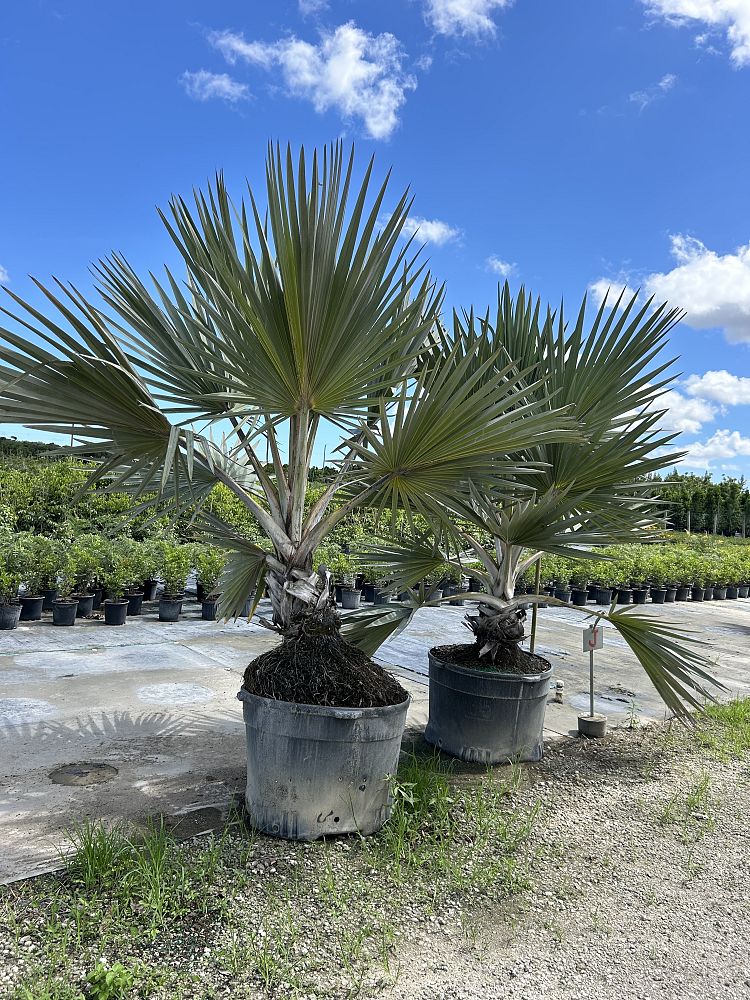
(696, 594)
(9, 616)
(85, 605)
(337, 590)
(350, 599)
(381, 597)
(658, 595)
(368, 592)
(49, 597)
(200, 592)
(314, 770)
(98, 597)
(149, 590)
(743, 589)
(671, 596)
(170, 606)
(115, 611)
(640, 595)
(64, 612)
(485, 716)
(31, 608)
(708, 593)
(562, 594)
(683, 594)
(135, 603)
(208, 610)
(623, 595)
(602, 595)
(579, 597)
(732, 593)
(720, 593)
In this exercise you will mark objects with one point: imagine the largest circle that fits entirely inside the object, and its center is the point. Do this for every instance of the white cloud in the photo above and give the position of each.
(358, 74)
(502, 267)
(650, 94)
(611, 288)
(730, 16)
(4, 276)
(309, 7)
(684, 415)
(720, 386)
(471, 18)
(723, 445)
(430, 230)
(714, 290)
(205, 86)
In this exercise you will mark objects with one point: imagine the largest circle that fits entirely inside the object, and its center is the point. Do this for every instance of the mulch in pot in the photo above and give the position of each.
(315, 665)
(513, 660)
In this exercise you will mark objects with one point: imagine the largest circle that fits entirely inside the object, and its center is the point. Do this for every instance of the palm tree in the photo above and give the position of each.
(310, 313)
(567, 497)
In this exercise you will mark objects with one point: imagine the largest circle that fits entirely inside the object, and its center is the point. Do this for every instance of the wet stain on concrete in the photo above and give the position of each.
(82, 774)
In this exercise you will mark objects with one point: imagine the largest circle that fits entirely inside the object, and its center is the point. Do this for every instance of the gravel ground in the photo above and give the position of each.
(641, 885)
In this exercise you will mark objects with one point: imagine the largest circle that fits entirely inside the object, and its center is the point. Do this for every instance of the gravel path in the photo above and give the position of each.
(641, 885)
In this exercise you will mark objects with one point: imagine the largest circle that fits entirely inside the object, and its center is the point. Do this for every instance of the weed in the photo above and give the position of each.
(110, 982)
(724, 729)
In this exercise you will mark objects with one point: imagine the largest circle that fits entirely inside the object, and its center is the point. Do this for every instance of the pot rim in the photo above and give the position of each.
(500, 674)
(65, 600)
(332, 711)
(111, 601)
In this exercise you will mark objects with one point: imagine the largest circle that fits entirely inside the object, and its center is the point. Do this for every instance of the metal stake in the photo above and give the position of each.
(591, 683)
(532, 643)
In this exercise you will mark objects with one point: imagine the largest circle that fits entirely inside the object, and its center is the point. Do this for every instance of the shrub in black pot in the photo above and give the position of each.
(639, 595)
(64, 611)
(732, 592)
(149, 589)
(135, 603)
(209, 607)
(85, 605)
(11, 575)
(658, 595)
(175, 566)
(208, 561)
(743, 589)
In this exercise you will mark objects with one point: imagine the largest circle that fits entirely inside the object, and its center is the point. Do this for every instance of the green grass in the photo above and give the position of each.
(725, 728)
(136, 914)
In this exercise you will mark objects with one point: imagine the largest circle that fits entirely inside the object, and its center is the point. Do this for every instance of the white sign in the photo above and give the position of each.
(593, 638)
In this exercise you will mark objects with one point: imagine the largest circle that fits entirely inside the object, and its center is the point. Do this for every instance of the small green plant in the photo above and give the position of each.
(88, 556)
(175, 566)
(111, 982)
(11, 568)
(209, 563)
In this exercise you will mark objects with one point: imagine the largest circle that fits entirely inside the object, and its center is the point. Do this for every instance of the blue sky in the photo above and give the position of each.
(565, 144)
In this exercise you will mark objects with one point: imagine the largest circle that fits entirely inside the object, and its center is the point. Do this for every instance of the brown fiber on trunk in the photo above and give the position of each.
(314, 665)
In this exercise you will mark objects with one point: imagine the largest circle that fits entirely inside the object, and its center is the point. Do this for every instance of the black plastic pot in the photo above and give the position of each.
(170, 606)
(720, 593)
(337, 590)
(602, 595)
(406, 596)
(671, 595)
(381, 598)
(658, 595)
(623, 595)
(64, 612)
(743, 589)
(9, 616)
(475, 586)
(484, 716)
(149, 590)
(200, 592)
(98, 597)
(368, 592)
(640, 595)
(31, 608)
(135, 602)
(85, 605)
(350, 599)
(49, 597)
(115, 611)
(697, 593)
(579, 597)
(208, 610)
(314, 770)
(562, 595)
(708, 593)
(732, 593)
(683, 594)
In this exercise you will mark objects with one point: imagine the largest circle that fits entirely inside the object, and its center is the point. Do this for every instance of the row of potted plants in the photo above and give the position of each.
(73, 579)
(638, 573)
